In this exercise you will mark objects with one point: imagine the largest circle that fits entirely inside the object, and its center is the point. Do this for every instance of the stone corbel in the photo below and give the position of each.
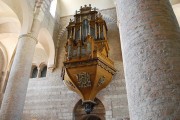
(51, 67)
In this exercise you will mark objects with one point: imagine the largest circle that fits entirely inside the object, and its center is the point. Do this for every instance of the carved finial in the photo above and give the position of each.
(89, 5)
(85, 5)
(81, 7)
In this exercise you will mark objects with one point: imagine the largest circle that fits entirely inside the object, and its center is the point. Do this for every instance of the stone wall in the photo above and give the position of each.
(49, 99)
(40, 56)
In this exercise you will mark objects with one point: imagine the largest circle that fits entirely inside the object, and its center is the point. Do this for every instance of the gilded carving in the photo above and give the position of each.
(84, 79)
(101, 81)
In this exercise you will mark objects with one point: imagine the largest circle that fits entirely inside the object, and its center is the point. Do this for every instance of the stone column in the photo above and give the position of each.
(39, 72)
(150, 39)
(15, 94)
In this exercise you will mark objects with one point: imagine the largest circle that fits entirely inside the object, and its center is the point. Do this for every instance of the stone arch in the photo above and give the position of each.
(10, 27)
(42, 65)
(3, 66)
(5, 56)
(2, 61)
(109, 19)
(98, 111)
(1, 74)
(45, 39)
(63, 30)
(7, 71)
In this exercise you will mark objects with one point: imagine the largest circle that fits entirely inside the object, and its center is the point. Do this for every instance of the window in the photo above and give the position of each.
(34, 72)
(53, 8)
(44, 71)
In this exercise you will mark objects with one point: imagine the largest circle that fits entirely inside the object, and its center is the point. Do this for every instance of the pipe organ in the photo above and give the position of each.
(87, 66)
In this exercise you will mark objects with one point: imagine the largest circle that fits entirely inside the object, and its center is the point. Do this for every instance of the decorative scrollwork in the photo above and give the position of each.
(84, 79)
(101, 81)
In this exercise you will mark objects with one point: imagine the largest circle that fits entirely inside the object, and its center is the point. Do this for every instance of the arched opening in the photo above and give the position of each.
(44, 71)
(34, 72)
(98, 112)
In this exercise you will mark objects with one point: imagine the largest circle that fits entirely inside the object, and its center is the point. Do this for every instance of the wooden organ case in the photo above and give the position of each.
(87, 67)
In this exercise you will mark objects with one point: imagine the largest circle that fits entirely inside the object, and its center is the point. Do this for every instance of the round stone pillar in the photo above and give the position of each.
(150, 39)
(15, 94)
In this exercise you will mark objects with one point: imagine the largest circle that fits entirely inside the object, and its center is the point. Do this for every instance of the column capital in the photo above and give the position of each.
(28, 35)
